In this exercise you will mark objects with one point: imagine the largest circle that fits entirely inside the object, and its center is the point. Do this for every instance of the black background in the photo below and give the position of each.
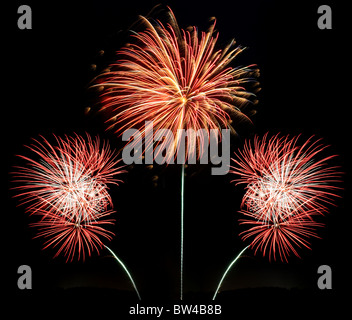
(305, 90)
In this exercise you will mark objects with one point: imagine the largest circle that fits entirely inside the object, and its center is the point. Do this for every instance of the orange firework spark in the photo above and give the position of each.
(177, 79)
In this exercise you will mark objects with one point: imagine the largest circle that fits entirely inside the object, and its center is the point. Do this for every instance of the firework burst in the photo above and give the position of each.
(74, 238)
(66, 186)
(286, 186)
(284, 179)
(176, 79)
(280, 237)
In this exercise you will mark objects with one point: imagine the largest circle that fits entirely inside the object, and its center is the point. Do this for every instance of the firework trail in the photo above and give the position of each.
(287, 185)
(66, 188)
(177, 80)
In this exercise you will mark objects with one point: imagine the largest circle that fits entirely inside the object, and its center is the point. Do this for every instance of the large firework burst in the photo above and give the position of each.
(66, 187)
(177, 79)
(286, 186)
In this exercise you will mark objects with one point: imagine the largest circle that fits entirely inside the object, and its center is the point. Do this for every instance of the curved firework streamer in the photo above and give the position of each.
(126, 270)
(227, 271)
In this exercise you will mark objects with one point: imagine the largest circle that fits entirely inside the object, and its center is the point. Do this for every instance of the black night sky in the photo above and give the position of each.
(303, 80)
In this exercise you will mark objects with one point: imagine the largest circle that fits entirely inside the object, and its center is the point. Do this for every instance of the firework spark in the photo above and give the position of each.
(177, 80)
(287, 185)
(66, 186)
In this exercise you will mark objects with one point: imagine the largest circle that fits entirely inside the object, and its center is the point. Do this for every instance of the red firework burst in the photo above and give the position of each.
(286, 185)
(280, 237)
(67, 187)
(177, 80)
(72, 238)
